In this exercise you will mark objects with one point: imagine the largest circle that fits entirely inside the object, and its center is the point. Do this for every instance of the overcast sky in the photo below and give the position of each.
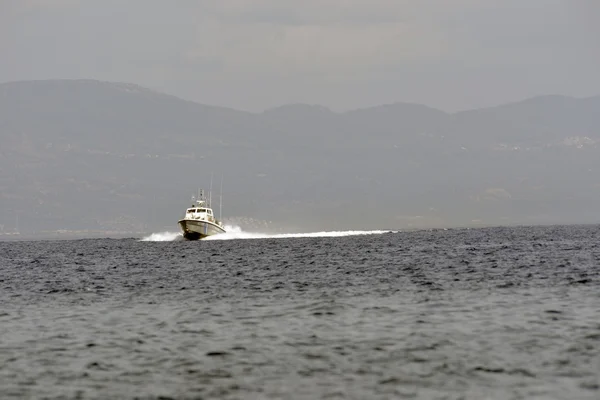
(344, 54)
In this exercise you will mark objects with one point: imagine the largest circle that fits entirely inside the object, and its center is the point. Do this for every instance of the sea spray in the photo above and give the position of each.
(163, 237)
(235, 232)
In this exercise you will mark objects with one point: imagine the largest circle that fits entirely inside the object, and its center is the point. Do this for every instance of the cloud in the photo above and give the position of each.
(314, 47)
(308, 12)
(325, 36)
(13, 11)
(50, 3)
(250, 54)
(318, 12)
(33, 5)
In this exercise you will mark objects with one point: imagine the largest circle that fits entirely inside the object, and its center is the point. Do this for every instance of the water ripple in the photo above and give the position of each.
(495, 313)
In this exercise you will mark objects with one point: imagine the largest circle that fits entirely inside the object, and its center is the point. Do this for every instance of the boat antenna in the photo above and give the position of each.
(210, 191)
(221, 201)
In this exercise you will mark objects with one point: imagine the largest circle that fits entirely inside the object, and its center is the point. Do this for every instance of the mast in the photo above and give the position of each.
(221, 201)
(210, 191)
(154, 210)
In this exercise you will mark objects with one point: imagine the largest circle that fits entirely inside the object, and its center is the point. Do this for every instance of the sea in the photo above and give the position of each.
(489, 313)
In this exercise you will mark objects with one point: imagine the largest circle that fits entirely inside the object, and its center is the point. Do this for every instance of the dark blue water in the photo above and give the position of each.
(502, 313)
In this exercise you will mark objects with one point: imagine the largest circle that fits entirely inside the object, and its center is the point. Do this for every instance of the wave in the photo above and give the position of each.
(163, 237)
(235, 232)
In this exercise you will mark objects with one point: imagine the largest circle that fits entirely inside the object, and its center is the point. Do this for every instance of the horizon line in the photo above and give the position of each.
(314, 105)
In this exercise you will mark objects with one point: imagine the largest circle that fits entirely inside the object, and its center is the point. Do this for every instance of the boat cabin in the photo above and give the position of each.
(200, 213)
(199, 210)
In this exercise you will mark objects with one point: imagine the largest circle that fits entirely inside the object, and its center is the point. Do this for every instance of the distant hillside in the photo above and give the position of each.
(117, 157)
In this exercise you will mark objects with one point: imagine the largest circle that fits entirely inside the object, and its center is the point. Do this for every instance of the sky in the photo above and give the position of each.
(342, 54)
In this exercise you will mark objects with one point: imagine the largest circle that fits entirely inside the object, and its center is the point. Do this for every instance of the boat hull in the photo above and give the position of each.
(196, 229)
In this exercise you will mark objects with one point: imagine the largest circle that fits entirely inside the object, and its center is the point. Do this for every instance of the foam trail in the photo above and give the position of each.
(163, 237)
(235, 232)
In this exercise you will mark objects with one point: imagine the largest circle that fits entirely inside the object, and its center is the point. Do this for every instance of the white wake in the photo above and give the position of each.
(163, 237)
(235, 232)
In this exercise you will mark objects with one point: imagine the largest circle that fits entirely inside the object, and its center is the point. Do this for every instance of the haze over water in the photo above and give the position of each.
(497, 313)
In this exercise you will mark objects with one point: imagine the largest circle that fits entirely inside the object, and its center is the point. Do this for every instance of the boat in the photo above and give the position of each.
(199, 220)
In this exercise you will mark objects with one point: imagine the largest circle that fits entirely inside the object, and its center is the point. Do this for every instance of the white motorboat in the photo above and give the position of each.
(199, 220)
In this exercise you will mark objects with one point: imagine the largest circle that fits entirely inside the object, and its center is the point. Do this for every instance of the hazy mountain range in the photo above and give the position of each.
(90, 155)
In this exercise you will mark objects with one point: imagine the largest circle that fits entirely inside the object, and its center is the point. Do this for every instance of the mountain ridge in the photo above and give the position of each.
(87, 154)
(128, 85)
